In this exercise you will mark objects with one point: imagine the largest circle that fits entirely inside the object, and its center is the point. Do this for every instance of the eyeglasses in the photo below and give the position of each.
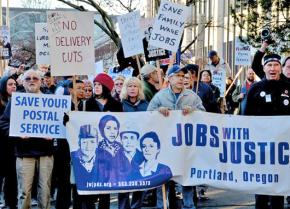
(88, 90)
(31, 79)
(118, 84)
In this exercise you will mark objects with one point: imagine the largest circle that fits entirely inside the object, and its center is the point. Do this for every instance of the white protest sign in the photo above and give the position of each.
(38, 115)
(219, 80)
(131, 34)
(5, 51)
(242, 53)
(99, 66)
(241, 153)
(71, 42)
(168, 26)
(127, 72)
(41, 44)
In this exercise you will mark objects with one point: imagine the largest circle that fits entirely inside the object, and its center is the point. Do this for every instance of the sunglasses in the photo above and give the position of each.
(88, 90)
(31, 79)
(118, 84)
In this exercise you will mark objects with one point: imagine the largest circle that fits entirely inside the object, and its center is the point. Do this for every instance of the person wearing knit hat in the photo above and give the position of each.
(105, 80)
(102, 99)
(272, 58)
(269, 97)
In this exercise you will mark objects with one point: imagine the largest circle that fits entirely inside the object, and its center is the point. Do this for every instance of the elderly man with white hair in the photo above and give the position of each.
(34, 155)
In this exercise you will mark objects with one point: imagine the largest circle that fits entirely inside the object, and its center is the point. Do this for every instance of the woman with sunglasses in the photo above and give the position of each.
(88, 89)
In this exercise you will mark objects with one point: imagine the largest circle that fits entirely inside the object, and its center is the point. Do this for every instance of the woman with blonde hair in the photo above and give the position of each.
(132, 96)
(133, 100)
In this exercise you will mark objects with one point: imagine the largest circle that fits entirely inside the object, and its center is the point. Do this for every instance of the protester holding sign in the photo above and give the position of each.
(31, 153)
(175, 97)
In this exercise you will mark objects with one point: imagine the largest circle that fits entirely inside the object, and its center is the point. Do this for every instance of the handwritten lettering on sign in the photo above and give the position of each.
(168, 26)
(72, 43)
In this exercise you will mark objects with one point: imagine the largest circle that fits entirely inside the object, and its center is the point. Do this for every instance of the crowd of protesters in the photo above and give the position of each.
(36, 168)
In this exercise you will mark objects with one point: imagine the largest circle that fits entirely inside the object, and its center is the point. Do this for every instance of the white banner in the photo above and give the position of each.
(219, 80)
(38, 115)
(71, 42)
(240, 153)
(41, 44)
(169, 25)
(242, 53)
(131, 34)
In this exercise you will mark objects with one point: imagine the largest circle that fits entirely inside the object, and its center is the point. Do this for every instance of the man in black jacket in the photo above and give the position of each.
(270, 96)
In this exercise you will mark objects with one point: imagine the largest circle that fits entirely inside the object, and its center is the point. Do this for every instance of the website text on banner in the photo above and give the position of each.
(241, 153)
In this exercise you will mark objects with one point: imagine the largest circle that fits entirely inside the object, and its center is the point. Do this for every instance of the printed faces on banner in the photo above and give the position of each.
(41, 44)
(115, 152)
(71, 42)
(5, 50)
(168, 26)
(38, 115)
(131, 35)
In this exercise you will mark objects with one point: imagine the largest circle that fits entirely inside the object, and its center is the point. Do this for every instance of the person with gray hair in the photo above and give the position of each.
(176, 97)
(31, 153)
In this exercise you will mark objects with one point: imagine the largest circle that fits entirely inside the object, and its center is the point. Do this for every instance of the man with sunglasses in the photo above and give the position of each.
(34, 155)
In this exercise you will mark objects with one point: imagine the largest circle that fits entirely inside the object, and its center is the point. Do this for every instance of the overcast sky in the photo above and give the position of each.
(18, 3)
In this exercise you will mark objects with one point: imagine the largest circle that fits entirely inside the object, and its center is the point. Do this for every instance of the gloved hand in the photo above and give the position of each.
(65, 119)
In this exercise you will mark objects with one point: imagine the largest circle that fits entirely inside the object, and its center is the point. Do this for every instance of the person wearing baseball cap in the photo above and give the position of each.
(149, 81)
(176, 97)
(270, 96)
(217, 63)
(102, 99)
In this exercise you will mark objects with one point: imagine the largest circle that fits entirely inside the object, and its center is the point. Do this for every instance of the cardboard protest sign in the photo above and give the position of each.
(242, 53)
(168, 26)
(99, 67)
(5, 50)
(131, 35)
(41, 44)
(219, 80)
(38, 115)
(152, 53)
(71, 42)
(126, 72)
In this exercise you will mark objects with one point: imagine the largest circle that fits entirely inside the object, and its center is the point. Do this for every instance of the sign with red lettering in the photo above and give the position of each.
(71, 42)
(168, 26)
(41, 44)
